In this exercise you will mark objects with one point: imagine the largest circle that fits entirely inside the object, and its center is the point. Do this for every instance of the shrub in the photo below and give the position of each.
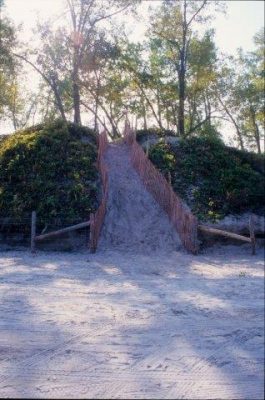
(51, 169)
(215, 180)
(143, 134)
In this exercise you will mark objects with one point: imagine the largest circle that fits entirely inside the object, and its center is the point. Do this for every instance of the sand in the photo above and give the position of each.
(115, 325)
(134, 222)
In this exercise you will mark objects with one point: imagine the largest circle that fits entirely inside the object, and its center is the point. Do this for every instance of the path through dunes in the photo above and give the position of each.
(134, 221)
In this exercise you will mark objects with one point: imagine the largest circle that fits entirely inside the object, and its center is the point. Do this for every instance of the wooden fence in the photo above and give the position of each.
(97, 219)
(184, 221)
(38, 238)
(231, 235)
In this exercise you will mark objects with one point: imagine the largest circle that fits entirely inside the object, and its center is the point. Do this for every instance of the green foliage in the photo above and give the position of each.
(50, 169)
(7, 64)
(215, 180)
(143, 134)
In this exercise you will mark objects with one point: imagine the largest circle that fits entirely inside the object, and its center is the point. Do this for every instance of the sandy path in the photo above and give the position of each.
(110, 325)
(133, 221)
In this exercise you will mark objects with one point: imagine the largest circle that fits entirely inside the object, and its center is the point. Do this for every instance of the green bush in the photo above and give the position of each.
(50, 169)
(143, 134)
(214, 180)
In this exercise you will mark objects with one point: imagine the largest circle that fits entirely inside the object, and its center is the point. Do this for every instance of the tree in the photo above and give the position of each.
(63, 56)
(153, 85)
(7, 63)
(102, 85)
(173, 26)
(240, 91)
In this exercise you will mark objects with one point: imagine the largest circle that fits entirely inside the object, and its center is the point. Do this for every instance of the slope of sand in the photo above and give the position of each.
(133, 221)
(114, 325)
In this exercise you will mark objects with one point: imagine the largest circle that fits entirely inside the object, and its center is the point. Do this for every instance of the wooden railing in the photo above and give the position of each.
(184, 221)
(97, 218)
(231, 235)
(37, 238)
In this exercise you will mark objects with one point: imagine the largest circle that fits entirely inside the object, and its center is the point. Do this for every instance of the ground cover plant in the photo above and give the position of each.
(50, 168)
(214, 179)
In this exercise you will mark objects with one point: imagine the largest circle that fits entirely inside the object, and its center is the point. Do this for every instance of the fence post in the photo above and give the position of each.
(252, 235)
(147, 150)
(33, 231)
(92, 244)
(169, 177)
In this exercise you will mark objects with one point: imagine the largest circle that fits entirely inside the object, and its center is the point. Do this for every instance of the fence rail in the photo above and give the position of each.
(37, 238)
(184, 221)
(251, 239)
(62, 231)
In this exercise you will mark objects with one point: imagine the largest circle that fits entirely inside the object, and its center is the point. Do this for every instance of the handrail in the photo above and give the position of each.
(62, 231)
(37, 238)
(232, 235)
(251, 239)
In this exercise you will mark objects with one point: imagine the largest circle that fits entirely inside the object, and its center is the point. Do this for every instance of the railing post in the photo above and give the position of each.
(169, 177)
(92, 244)
(194, 235)
(252, 235)
(33, 232)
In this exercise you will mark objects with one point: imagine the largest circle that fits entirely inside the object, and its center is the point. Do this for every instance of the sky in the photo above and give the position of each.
(234, 29)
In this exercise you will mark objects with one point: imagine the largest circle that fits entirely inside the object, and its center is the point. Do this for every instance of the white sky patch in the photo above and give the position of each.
(233, 30)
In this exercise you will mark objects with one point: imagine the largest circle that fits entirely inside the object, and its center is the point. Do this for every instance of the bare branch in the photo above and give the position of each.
(197, 12)
(36, 68)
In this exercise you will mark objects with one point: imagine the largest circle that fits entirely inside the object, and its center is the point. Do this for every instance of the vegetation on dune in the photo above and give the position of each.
(144, 134)
(214, 179)
(51, 169)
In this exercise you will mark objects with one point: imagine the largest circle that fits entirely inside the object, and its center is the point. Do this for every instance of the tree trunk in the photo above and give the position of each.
(96, 114)
(167, 117)
(96, 102)
(239, 134)
(76, 100)
(181, 126)
(76, 89)
(257, 138)
(182, 73)
(100, 120)
(142, 103)
(58, 101)
(52, 82)
(256, 130)
(144, 116)
(158, 108)
(152, 109)
(175, 122)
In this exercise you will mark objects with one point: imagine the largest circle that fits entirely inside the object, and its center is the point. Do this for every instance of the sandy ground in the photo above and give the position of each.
(112, 325)
(134, 221)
